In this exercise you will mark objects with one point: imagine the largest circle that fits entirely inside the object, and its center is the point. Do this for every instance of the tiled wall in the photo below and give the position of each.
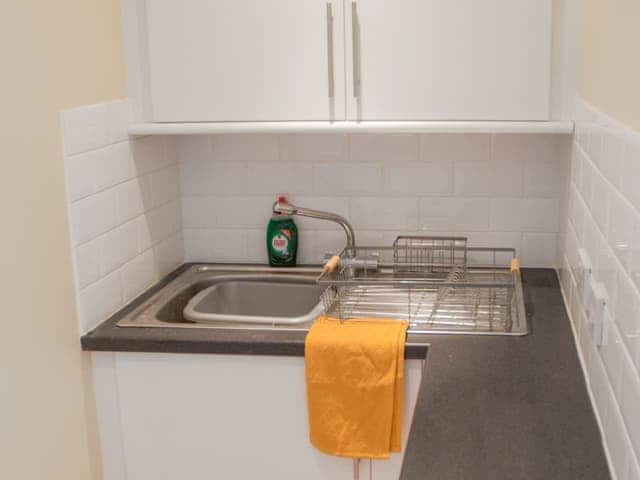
(124, 208)
(604, 221)
(500, 190)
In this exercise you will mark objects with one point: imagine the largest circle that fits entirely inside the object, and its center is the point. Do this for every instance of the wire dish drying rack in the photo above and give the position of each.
(436, 284)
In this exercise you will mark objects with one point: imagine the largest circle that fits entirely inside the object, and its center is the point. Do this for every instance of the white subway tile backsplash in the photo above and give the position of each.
(605, 271)
(384, 213)
(99, 300)
(315, 147)
(246, 148)
(454, 147)
(87, 261)
(634, 257)
(138, 275)
(171, 155)
(286, 178)
(586, 181)
(497, 239)
(113, 185)
(213, 178)
(615, 435)
(597, 374)
(629, 401)
(369, 147)
(196, 244)
(200, 212)
(529, 148)
(133, 198)
(195, 176)
(256, 245)
(594, 146)
(377, 181)
(81, 173)
(454, 214)
(540, 215)
(613, 149)
(612, 353)
(525, 214)
(145, 241)
(118, 246)
(621, 226)
(490, 179)
(603, 207)
(243, 211)
(633, 468)
(539, 249)
(374, 237)
(194, 148)
(628, 311)
(347, 179)
(164, 221)
(148, 155)
(420, 178)
(93, 216)
(576, 213)
(114, 166)
(544, 179)
(600, 201)
(630, 171)
(224, 245)
(165, 186)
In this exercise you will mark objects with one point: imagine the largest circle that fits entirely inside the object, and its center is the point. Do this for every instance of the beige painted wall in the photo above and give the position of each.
(55, 54)
(609, 68)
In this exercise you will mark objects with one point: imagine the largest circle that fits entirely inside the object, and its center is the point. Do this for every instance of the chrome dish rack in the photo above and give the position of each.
(436, 284)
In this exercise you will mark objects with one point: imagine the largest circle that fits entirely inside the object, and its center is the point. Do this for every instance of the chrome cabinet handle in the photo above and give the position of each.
(355, 44)
(330, 48)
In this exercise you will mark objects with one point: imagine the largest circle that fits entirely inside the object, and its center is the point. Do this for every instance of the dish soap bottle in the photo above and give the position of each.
(282, 239)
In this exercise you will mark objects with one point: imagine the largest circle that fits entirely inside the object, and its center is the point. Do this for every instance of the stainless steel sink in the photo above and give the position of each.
(257, 298)
(233, 296)
(253, 298)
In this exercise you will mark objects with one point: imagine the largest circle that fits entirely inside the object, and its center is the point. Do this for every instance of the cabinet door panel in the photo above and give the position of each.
(243, 60)
(449, 60)
(203, 417)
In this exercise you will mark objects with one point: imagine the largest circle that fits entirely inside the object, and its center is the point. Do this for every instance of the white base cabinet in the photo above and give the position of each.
(169, 417)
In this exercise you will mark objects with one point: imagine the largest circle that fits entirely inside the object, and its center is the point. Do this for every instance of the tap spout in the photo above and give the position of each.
(285, 208)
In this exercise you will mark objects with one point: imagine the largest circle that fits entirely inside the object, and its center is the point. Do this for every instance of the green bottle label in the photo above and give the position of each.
(282, 242)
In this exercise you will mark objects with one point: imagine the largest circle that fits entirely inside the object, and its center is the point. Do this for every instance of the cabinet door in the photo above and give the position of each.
(205, 417)
(448, 60)
(245, 60)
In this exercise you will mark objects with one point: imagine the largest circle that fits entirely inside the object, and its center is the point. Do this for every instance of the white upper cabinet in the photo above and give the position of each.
(448, 60)
(297, 60)
(245, 60)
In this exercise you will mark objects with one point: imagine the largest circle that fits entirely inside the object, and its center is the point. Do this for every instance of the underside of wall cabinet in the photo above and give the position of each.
(204, 128)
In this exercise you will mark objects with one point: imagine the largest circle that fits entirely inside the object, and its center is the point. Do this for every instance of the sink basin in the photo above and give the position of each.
(261, 299)
(232, 296)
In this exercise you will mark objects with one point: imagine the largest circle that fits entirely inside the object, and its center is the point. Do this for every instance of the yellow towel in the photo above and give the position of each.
(355, 385)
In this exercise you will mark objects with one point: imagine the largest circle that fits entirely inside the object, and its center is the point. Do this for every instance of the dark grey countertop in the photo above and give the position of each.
(499, 408)
(511, 408)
